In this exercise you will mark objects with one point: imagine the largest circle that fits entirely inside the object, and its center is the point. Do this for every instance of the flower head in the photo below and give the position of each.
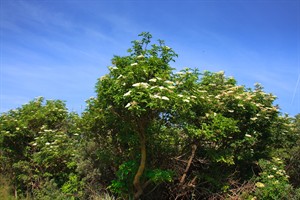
(142, 84)
(128, 105)
(259, 185)
(112, 68)
(180, 73)
(253, 118)
(120, 76)
(127, 94)
(165, 98)
(155, 96)
(169, 82)
(153, 80)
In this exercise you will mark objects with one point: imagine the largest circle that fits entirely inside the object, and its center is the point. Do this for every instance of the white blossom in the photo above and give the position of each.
(165, 98)
(180, 95)
(180, 73)
(231, 111)
(155, 96)
(248, 135)
(142, 84)
(153, 80)
(112, 68)
(127, 94)
(103, 77)
(140, 56)
(186, 100)
(169, 82)
(120, 76)
(171, 86)
(253, 118)
(134, 64)
(127, 105)
(259, 185)
(280, 172)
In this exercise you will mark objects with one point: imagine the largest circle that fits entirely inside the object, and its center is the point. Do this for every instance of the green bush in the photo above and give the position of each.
(273, 182)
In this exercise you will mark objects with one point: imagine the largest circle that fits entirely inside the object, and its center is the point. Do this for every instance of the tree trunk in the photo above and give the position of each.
(139, 173)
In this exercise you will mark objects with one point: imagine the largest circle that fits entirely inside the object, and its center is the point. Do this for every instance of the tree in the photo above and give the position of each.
(134, 94)
(142, 104)
(38, 143)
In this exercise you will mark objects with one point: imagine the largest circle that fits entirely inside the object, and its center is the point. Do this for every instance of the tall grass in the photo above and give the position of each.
(5, 189)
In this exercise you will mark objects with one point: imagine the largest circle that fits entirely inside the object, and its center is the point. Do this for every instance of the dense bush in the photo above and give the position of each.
(38, 142)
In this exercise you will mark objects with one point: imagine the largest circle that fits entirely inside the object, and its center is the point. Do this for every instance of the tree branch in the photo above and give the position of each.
(194, 148)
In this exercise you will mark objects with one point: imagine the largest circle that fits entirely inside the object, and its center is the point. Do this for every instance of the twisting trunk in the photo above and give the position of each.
(136, 181)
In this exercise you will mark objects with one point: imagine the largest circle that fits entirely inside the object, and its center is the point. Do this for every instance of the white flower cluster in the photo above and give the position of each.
(157, 96)
(128, 105)
(186, 99)
(127, 94)
(141, 85)
(111, 68)
(153, 80)
(140, 56)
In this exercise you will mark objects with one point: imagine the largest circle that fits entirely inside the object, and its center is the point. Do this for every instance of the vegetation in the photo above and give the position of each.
(152, 133)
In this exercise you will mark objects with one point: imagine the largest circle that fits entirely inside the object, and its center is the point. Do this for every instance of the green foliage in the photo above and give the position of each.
(293, 153)
(38, 142)
(136, 135)
(50, 191)
(73, 186)
(273, 181)
(123, 184)
(158, 176)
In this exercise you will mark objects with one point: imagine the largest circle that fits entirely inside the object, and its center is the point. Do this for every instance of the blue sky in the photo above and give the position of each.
(58, 48)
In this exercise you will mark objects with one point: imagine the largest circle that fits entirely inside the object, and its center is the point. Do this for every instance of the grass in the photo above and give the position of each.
(5, 189)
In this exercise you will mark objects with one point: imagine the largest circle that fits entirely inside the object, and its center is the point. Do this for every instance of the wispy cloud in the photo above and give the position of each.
(297, 89)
